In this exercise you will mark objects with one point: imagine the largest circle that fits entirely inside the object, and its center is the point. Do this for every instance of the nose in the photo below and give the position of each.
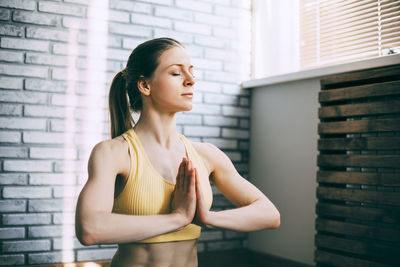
(189, 81)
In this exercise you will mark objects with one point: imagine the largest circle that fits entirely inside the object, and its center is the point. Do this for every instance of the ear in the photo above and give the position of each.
(143, 86)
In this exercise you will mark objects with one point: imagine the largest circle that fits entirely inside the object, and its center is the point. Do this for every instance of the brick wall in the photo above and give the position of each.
(56, 61)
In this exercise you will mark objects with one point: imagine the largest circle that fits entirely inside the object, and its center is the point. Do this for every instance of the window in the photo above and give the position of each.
(337, 31)
(294, 35)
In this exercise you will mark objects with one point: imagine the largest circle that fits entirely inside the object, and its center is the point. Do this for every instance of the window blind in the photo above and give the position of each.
(339, 31)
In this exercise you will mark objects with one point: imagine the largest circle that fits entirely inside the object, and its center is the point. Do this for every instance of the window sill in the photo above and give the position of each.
(324, 71)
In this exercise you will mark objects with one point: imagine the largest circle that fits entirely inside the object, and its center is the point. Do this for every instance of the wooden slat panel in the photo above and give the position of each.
(361, 75)
(374, 108)
(359, 195)
(366, 178)
(384, 253)
(384, 215)
(360, 143)
(359, 230)
(371, 161)
(339, 260)
(361, 91)
(359, 126)
(358, 226)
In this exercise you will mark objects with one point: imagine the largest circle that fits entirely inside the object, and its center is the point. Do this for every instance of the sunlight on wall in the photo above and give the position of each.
(96, 70)
(244, 45)
(89, 131)
(275, 37)
(70, 128)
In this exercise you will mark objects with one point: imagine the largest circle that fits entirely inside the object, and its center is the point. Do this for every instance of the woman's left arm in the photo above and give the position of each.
(254, 210)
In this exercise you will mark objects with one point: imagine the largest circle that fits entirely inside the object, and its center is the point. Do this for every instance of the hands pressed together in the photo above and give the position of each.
(187, 198)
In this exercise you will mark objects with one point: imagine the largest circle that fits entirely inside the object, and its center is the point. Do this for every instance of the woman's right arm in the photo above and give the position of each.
(94, 221)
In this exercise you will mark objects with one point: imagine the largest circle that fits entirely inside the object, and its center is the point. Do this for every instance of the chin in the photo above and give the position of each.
(187, 107)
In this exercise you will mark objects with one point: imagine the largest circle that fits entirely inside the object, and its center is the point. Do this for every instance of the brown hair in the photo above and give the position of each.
(124, 94)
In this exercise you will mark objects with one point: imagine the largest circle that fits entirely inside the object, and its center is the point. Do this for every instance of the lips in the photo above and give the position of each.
(191, 94)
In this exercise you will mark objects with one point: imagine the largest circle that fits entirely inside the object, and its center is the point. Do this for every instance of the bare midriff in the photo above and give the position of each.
(165, 254)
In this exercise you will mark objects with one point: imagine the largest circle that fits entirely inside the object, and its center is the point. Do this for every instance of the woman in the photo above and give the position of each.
(140, 193)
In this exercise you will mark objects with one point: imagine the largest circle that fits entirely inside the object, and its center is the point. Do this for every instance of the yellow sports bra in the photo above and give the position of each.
(147, 193)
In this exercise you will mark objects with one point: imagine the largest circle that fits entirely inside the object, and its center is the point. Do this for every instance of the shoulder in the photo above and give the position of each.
(205, 149)
(211, 154)
(111, 147)
(112, 152)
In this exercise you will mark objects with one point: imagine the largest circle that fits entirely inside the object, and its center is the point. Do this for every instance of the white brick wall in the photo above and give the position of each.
(13, 179)
(11, 83)
(35, 18)
(12, 233)
(63, 9)
(95, 254)
(27, 71)
(26, 245)
(11, 30)
(9, 56)
(46, 34)
(12, 205)
(37, 258)
(21, 4)
(45, 72)
(26, 219)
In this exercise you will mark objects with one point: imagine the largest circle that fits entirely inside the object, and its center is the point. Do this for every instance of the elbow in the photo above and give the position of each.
(86, 234)
(273, 217)
(273, 220)
(86, 239)
(276, 221)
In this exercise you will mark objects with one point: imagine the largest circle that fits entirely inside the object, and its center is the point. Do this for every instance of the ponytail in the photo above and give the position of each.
(120, 115)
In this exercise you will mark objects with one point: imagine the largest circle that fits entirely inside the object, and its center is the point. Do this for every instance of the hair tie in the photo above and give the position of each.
(123, 72)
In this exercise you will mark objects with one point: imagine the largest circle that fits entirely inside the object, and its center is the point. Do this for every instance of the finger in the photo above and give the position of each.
(179, 177)
(185, 171)
(198, 197)
(198, 189)
(193, 181)
(188, 176)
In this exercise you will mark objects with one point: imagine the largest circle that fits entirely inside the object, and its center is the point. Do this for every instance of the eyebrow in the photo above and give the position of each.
(191, 66)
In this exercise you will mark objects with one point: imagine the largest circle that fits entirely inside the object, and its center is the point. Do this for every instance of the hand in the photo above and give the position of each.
(184, 195)
(202, 213)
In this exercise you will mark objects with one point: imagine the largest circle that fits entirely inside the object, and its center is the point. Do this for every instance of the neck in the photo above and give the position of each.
(153, 126)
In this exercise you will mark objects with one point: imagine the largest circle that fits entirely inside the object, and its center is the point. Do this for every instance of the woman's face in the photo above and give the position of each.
(171, 87)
